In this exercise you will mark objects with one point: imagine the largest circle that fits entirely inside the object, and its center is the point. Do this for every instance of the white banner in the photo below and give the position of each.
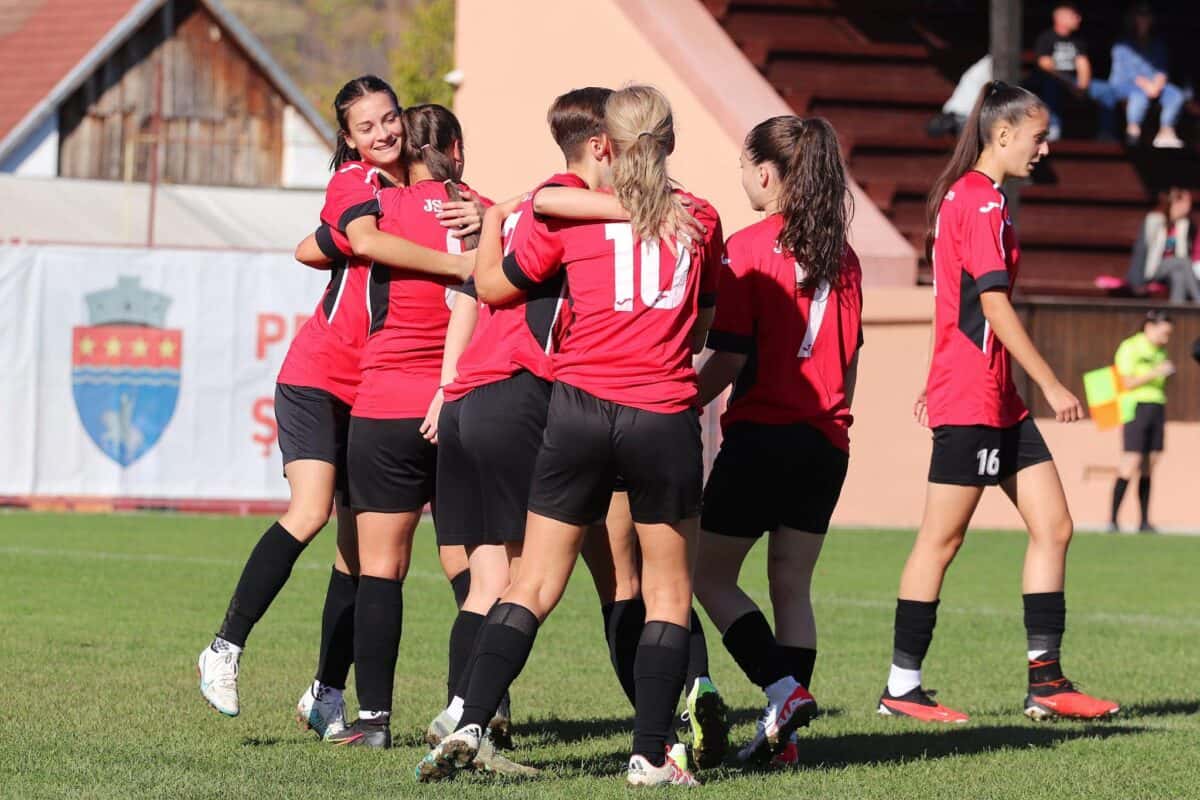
(145, 373)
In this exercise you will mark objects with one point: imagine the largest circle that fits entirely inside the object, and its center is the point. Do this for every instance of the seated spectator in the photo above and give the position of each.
(1063, 66)
(956, 110)
(1139, 76)
(1166, 247)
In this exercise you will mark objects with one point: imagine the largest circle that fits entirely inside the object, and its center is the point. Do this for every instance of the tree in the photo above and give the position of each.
(424, 54)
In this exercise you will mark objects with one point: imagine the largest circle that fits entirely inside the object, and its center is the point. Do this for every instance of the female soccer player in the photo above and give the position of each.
(391, 464)
(786, 334)
(621, 404)
(316, 387)
(982, 433)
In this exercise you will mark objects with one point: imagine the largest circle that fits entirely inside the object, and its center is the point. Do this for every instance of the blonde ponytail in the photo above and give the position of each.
(640, 127)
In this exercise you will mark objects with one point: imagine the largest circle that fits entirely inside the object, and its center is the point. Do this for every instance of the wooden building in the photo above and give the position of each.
(128, 90)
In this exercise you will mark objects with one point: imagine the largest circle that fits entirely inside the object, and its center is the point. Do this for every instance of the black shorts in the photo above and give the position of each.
(1144, 433)
(392, 466)
(488, 441)
(589, 442)
(767, 476)
(312, 424)
(980, 455)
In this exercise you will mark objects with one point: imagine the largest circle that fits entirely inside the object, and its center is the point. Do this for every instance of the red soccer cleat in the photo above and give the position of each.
(918, 704)
(789, 756)
(1059, 698)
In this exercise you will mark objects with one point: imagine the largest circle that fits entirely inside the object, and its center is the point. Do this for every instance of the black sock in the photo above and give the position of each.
(337, 630)
(378, 617)
(461, 584)
(915, 621)
(504, 644)
(1144, 498)
(661, 666)
(623, 623)
(752, 644)
(266, 571)
(800, 662)
(1118, 495)
(697, 652)
(462, 641)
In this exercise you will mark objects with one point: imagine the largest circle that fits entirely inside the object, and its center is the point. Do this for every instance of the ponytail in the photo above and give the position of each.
(430, 132)
(347, 96)
(997, 102)
(640, 126)
(814, 196)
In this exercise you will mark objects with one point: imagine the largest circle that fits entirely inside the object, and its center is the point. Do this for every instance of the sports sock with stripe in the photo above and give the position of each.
(1045, 622)
(504, 644)
(915, 621)
(660, 669)
(337, 630)
(266, 571)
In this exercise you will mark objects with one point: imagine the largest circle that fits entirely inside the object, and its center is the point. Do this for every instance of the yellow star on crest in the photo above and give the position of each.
(86, 345)
(167, 348)
(139, 347)
(113, 347)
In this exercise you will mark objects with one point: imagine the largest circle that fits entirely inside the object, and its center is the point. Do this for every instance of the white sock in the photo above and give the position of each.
(219, 645)
(455, 708)
(778, 692)
(371, 715)
(902, 681)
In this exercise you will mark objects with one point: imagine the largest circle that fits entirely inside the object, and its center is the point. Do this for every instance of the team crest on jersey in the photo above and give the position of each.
(125, 369)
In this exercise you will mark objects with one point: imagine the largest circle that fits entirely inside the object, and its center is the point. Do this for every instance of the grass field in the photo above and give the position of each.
(103, 616)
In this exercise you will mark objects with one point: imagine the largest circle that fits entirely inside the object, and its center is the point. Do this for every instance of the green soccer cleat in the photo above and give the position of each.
(708, 718)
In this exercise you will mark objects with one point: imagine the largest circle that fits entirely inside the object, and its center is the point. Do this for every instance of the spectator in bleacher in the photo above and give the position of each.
(1167, 248)
(1139, 76)
(956, 110)
(1144, 367)
(1063, 66)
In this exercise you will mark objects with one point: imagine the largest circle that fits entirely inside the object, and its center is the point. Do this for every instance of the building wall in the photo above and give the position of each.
(305, 153)
(222, 121)
(37, 157)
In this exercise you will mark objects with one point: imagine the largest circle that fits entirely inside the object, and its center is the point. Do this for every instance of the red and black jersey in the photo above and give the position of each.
(325, 352)
(799, 342)
(974, 251)
(632, 306)
(519, 335)
(407, 311)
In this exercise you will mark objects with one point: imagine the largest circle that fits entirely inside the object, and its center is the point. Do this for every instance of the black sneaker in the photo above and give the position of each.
(376, 733)
(1146, 527)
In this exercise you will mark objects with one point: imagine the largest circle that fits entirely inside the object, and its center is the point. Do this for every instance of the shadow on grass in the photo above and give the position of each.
(1162, 708)
(737, 716)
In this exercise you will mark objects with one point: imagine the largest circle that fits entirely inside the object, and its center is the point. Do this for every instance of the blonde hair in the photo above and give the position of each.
(641, 130)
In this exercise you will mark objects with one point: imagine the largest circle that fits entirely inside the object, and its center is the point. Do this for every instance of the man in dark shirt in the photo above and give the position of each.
(1063, 63)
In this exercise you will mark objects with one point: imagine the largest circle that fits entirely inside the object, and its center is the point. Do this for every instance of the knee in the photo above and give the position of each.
(670, 601)
(305, 520)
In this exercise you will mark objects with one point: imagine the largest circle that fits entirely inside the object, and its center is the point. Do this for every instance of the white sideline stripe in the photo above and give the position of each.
(819, 597)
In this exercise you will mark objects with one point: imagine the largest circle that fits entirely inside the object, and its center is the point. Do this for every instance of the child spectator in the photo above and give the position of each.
(1166, 248)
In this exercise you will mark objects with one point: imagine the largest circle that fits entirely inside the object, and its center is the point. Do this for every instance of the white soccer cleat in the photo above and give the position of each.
(456, 752)
(218, 670)
(643, 773)
(757, 744)
(442, 726)
(321, 710)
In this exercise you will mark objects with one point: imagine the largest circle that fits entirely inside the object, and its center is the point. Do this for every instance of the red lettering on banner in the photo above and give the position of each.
(272, 328)
(264, 415)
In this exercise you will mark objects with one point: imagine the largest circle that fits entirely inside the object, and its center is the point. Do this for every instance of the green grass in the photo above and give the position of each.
(103, 616)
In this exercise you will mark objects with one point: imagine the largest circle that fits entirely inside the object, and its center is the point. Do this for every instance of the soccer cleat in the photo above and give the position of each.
(707, 715)
(454, 753)
(1060, 699)
(500, 728)
(322, 710)
(374, 733)
(643, 773)
(789, 756)
(919, 704)
(488, 760)
(789, 706)
(218, 671)
(442, 726)
(756, 749)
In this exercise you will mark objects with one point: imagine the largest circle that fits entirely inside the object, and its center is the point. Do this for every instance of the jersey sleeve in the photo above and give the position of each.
(714, 261)
(534, 257)
(733, 326)
(332, 246)
(351, 194)
(983, 240)
(1126, 360)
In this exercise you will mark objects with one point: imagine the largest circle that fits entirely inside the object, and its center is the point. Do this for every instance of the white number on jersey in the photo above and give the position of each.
(989, 462)
(506, 233)
(621, 235)
(816, 315)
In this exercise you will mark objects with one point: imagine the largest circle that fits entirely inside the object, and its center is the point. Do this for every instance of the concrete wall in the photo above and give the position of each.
(305, 153)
